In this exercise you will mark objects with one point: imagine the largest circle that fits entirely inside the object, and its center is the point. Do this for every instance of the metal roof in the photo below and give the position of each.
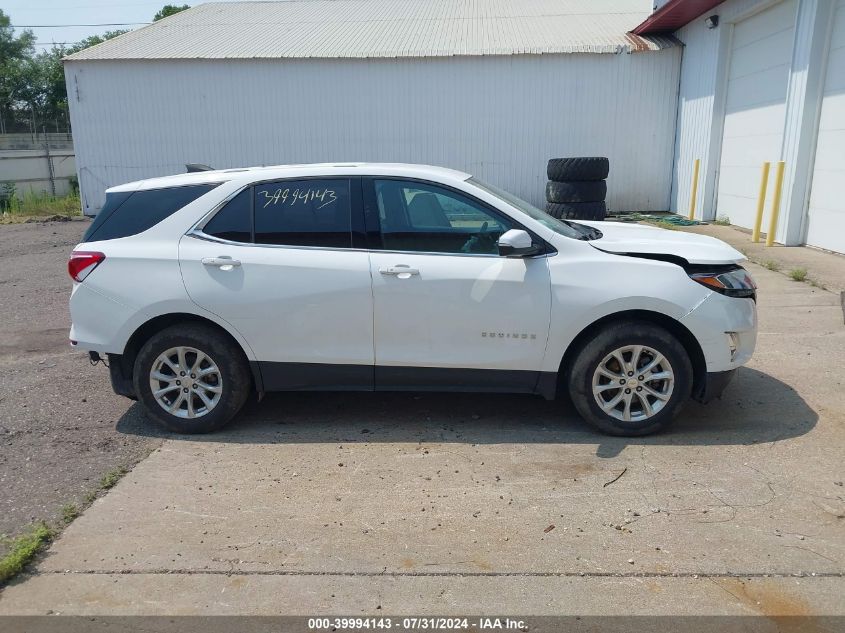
(386, 28)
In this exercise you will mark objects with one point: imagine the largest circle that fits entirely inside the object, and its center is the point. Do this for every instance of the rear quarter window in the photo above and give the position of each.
(130, 213)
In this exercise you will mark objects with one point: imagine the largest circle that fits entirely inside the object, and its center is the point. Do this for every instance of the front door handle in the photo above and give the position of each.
(223, 262)
(400, 270)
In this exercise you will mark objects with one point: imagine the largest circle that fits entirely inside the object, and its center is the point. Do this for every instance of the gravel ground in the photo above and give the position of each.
(58, 432)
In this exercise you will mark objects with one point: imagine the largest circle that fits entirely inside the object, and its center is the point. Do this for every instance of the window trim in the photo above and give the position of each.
(372, 218)
(359, 202)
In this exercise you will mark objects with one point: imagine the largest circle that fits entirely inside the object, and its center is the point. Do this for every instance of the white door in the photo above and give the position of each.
(300, 295)
(755, 108)
(826, 216)
(449, 312)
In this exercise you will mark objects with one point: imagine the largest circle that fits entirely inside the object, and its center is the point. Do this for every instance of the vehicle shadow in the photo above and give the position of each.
(754, 409)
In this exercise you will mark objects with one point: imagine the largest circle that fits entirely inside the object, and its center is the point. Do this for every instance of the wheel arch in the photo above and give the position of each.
(122, 365)
(675, 327)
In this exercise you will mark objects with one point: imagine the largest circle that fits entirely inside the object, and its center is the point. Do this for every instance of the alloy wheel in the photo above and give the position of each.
(186, 382)
(633, 383)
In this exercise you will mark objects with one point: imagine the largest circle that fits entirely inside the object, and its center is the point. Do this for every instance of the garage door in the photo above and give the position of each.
(826, 216)
(755, 107)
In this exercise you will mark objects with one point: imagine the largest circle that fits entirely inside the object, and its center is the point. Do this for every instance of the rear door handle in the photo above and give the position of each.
(223, 262)
(400, 270)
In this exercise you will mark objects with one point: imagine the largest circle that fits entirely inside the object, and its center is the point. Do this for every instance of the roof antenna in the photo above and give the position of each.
(194, 167)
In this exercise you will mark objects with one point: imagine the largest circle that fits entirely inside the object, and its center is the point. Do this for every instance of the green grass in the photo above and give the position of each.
(112, 477)
(798, 274)
(23, 549)
(69, 513)
(771, 265)
(722, 220)
(33, 205)
(663, 225)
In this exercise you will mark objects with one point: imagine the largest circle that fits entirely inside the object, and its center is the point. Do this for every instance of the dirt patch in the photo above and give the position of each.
(766, 598)
(58, 416)
(49, 340)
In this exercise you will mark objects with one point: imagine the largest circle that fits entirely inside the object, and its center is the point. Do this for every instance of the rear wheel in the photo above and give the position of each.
(191, 378)
(631, 379)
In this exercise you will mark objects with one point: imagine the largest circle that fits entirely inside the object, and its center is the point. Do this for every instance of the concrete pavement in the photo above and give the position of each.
(457, 504)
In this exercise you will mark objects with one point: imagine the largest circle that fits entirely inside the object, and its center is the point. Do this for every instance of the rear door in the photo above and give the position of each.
(450, 313)
(278, 262)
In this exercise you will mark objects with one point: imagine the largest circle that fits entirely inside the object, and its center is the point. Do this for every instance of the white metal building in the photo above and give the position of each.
(491, 87)
(766, 83)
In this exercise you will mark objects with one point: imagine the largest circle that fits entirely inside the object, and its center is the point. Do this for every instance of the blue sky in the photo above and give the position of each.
(37, 12)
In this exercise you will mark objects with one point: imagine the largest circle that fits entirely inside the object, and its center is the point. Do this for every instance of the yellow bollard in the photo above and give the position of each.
(694, 193)
(773, 222)
(761, 202)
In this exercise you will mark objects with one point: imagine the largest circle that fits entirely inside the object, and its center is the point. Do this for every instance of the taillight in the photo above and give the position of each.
(81, 263)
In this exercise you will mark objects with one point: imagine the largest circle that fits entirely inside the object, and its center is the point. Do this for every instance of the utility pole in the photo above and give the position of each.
(49, 163)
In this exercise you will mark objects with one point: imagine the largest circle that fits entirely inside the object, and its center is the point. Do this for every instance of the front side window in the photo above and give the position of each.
(561, 227)
(311, 212)
(426, 218)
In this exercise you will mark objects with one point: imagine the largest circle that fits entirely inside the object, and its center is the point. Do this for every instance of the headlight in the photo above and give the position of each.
(733, 283)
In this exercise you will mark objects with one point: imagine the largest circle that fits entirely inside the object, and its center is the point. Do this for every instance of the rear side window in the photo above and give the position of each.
(126, 214)
(313, 212)
(234, 221)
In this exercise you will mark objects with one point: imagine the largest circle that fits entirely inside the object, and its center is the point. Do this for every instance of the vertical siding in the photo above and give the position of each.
(499, 118)
(695, 117)
(706, 61)
(701, 101)
(826, 218)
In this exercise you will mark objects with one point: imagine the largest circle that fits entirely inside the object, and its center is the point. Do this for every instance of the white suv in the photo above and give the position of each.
(203, 287)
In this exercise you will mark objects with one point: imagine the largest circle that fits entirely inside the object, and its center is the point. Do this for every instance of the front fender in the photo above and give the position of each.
(587, 290)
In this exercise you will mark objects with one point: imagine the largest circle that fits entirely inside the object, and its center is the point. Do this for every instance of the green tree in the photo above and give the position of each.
(168, 10)
(15, 51)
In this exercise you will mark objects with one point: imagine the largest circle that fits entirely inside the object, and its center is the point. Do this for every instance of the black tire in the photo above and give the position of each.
(576, 191)
(577, 210)
(578, 168)
(225, 353)
(613, 337)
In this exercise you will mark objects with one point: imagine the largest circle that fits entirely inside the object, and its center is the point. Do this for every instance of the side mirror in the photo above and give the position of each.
(517, 243)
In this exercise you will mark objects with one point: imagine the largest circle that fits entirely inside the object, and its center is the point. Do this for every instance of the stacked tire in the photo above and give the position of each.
(577, 187)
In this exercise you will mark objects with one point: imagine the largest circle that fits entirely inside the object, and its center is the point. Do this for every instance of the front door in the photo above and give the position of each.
(450, 313)
(289, 281)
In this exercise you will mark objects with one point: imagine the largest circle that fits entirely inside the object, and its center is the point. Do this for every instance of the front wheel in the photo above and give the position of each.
(631, 379)
(191, 378)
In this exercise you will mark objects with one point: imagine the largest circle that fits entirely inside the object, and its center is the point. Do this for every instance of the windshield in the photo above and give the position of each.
(563, 227)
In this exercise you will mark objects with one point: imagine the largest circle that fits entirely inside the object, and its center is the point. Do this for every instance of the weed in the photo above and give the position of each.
(771, 265)
(90, 497)
(112, 477)
(33, 204)
(69, 512)
(722, 220)
(798, 274)
(816, 284)
(23, 549)
(663, 224)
